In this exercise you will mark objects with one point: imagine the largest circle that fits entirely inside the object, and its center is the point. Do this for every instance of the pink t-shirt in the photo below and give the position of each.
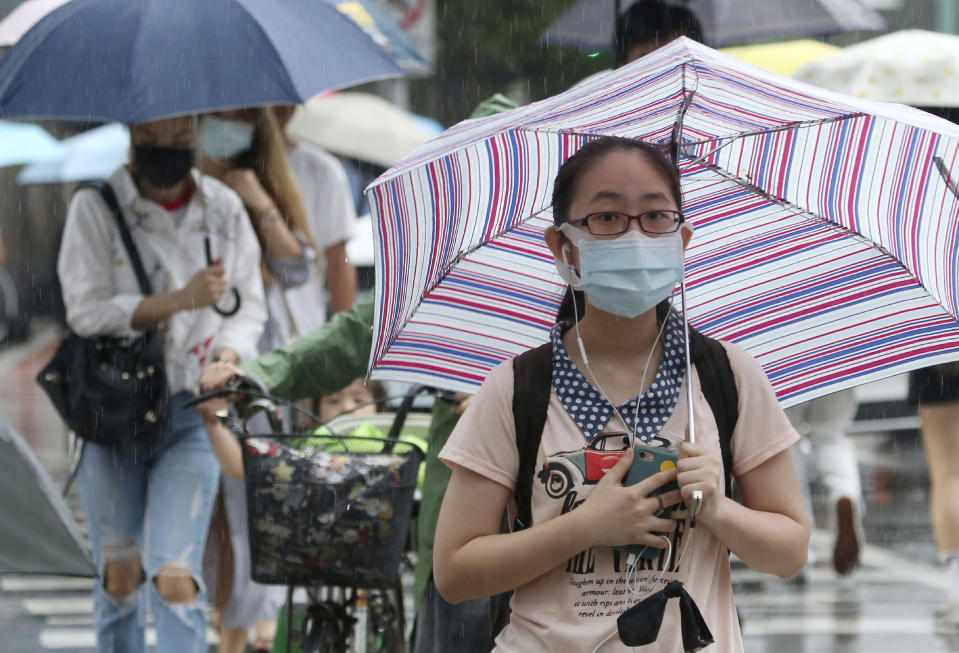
(575, 606)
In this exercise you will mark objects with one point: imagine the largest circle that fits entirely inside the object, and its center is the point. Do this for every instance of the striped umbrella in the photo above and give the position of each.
(826, 225)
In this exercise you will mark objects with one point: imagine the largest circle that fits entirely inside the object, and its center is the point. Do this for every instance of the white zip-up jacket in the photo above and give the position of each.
(100, 288)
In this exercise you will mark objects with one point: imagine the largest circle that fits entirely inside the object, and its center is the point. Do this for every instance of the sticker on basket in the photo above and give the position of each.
(272, 528)
(283, 472)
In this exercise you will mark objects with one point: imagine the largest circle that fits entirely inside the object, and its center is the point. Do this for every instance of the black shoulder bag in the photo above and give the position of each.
(112, 391)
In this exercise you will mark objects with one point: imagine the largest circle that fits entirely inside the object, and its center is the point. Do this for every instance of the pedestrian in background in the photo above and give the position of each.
(935, 393)
(331, 215)
(148, 511)
(827, 454)
(245, 149)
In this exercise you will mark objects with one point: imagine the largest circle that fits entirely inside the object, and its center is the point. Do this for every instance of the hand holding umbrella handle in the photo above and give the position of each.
(236, 293)
(695, 504)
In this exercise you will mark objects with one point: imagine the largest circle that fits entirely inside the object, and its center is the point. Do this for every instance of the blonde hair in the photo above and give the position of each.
(267, 158)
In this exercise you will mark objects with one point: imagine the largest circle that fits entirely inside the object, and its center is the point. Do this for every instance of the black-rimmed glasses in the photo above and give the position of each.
(612, 223)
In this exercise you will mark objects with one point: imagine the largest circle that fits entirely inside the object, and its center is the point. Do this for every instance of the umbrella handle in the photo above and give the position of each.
(696, 502)
(207, 248)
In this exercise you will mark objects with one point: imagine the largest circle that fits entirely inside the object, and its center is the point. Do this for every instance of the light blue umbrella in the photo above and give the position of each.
(21, 143)
(384, 31)
(93, 154)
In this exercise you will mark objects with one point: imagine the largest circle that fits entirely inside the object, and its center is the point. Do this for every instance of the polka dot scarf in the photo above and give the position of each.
(592, 412)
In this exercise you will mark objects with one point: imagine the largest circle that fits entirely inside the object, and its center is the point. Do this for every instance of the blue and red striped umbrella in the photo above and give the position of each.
(826, 229)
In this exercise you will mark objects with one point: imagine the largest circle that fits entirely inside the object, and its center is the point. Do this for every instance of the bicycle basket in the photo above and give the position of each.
(331, 510)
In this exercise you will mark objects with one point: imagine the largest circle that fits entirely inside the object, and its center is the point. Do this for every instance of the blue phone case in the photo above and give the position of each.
(646, 462)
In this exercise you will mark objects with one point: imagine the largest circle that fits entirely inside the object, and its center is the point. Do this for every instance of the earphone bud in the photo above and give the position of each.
(573, 273)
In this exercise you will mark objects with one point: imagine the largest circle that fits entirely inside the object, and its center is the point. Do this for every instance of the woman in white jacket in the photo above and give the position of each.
(148, 511)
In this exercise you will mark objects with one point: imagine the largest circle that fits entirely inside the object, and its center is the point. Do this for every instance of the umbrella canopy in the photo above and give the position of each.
(826, 237)
(911, 66)
(20, 143)
(589, 24)
(23, 17)
(365, 13)
(380, 27)
(94, 154)
(130, 62)
(52, 544)
(360, 126)
(782, 58)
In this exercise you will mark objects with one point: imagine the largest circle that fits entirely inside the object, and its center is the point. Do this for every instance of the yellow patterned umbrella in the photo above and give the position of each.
(909, 67)
(783, 58)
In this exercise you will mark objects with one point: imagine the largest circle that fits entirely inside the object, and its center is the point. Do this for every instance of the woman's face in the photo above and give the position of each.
(622, 181)
(347, 400)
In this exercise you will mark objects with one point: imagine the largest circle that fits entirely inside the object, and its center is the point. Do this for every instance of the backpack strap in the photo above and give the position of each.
(532, 384)
(718, 383)
(110, 199)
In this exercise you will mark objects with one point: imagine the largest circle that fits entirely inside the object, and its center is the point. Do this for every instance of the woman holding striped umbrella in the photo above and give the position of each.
(615, 400)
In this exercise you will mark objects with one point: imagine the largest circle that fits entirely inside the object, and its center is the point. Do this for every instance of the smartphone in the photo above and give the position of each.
(646, 462)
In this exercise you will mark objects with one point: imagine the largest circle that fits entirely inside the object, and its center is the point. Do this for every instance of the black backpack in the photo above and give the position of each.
(532, 384)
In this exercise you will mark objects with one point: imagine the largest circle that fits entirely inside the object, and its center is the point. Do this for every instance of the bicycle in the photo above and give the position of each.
(329, 513)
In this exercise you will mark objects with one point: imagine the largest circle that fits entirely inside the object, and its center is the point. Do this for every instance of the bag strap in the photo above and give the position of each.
(110, 198)
(718, 384)
(532, 384)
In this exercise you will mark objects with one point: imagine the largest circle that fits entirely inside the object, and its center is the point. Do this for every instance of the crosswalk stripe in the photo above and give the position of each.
(44, 583)
(41, 607)
(831, 625)
(86, 638)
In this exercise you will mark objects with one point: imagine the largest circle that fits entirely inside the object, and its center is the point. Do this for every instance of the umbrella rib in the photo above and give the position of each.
(944, 173)
(791, 126)
(674, 140)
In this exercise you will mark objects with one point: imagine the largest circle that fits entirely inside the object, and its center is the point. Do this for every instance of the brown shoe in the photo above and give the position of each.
(845, 554)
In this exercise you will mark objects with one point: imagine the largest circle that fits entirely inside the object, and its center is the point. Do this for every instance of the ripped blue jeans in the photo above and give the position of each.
(156, 507)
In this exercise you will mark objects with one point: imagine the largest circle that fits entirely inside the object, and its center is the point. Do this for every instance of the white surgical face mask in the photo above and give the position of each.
(224, 139)
(628, 275)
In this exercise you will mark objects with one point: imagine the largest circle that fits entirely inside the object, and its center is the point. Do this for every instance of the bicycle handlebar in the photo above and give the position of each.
(236, 384)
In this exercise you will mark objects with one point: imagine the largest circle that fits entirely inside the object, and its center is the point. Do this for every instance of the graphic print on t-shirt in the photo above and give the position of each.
(567, 476)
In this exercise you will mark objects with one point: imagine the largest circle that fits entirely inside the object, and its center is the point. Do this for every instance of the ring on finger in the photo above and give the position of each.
(661, 508)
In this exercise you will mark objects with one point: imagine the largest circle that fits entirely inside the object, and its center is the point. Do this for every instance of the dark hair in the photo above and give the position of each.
(653, 20)
(378, 390)
(564, 186)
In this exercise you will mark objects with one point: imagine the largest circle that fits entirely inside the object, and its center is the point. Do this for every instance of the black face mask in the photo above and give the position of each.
(163, 167)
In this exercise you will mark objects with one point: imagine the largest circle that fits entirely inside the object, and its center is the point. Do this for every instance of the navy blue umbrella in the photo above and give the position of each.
(133, 61)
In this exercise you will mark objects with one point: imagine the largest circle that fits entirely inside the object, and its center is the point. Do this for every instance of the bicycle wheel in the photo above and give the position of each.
(326, 628)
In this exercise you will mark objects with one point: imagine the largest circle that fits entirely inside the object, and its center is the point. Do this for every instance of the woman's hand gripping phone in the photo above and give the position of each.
(627, 507)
